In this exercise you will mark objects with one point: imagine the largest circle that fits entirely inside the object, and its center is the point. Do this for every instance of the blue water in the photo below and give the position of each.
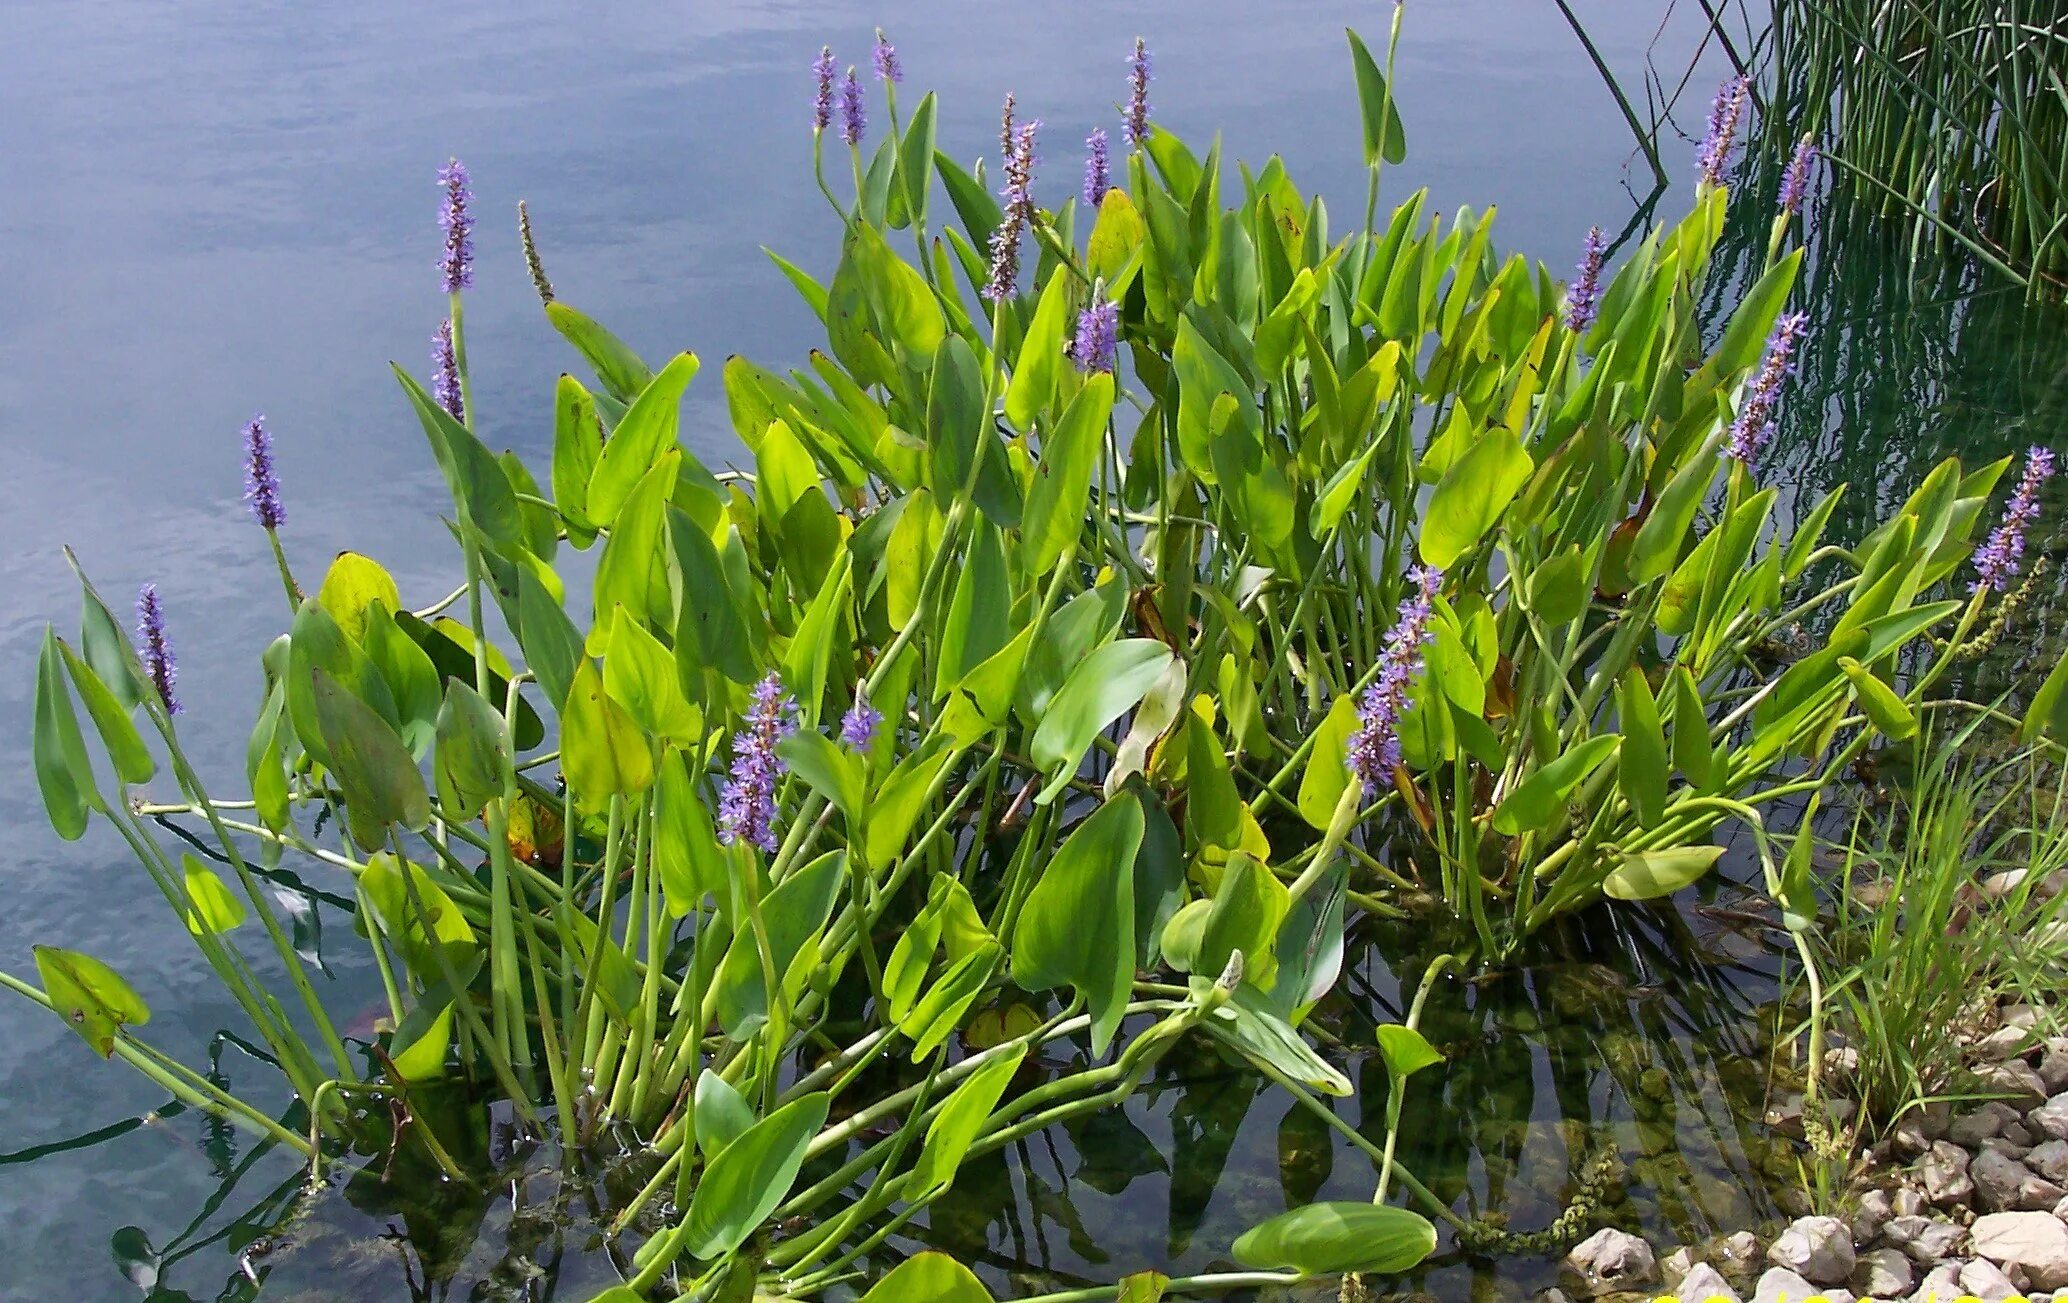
(210, 209)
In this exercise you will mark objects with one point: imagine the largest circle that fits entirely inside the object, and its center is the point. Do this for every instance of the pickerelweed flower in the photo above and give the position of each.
(1373, 751)
(823, 71)
(1795, 183)
(445, 373)
(458, 223)
(1998, 559)
(1137, 118)
(1714, 156)
(858, 726)
(886, 56)
(261, 480)
(1019, 209)
(539, 283)
(1755, 426)
(854, 119)
(1583, 297)
(155, 647)
(1098, 335)
(1098, 177)
(746, 805)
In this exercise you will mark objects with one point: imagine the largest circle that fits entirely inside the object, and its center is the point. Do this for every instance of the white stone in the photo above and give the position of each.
(1928, 1240)
(2053, 1069)
(2015, 1080)
(2002, 1184)
(1882, 1274)
(2036, 1241)
(1875, 1210)
(1704, 1283)
(1943, 1171)
(2051, 1117)
(1673, 1268)
(1613, 1260)
(1780, 1285)
(1985, 1282)
(1820, 1249)
(1940, 1285)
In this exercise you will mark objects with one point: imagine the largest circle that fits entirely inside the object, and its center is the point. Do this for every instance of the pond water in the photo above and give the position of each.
(215, 208)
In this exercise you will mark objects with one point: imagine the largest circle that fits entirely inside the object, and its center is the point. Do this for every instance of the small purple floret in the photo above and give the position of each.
(261, 479)
(823, 72)
(445, 373)
(1756, 423)
(854, 119)
(1714, 157)
(1999, 558)
(1019, 207)
(1795, 184)
(886, 56)
(156, 647)
(858, 726)
(1373, 751)
(458, 264)
(1137, 117)
(1098, 336)
(1583, 299)
(1098, 176)
(746, 805)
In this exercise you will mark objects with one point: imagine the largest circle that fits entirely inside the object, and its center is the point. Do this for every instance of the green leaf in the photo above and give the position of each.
(710, 630)
(1340, 491)
(1326, 1239)
(1657, 547)
(639, 674)
(1642, 771)
(1328, 767)
(212, 907)
(1054, 518)
(930, 1277)
(475, 478)
(411, 678)
(1558, 589)
(1879, 701)
(915, 161)
(450, 645)
(90, 996)
(721, 1113)
(473, 757)
(406, 898)
(577, 443)
(686, 852)
(1077, 928)
(979, 619)
(794, 912)
(1100, 689)
(1248, 1024)
(1538, 802)
(1248, 907)
(650, 427)
(111, 719)
(1040, 362)
(1647, 875)
(1383, 135)
(1142, 1287)
(603, 753)
(1472, 495)
(750, 1176)
(353, 584)
(2048, 713)
(63, 774)
(380, 779)
(828, 768)
(954, 1129)
(1693, 753)
(616, 365)
(1405, 1050)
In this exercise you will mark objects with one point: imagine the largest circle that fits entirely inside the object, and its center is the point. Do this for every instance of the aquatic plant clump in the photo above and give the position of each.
(1015, 707)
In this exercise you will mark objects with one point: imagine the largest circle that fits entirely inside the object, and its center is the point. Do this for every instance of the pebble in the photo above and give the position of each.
(1943, 1171)
(2051, 1117)
(1985, 1282)
(1882, 1274)
(2036, 1241)
(1704, 1283)
(1613, 1260)
(1820, 1249)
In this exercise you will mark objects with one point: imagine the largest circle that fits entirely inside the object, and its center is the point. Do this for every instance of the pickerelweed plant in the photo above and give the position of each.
(1076, 657)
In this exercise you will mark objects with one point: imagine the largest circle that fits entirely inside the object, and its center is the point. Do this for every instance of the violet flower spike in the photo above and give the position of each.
(261, 479)
(445, 373)
(1714, 156)
(1137, 117)
(746, 805)
(854, 119)
(156, 648)
(458, 264)
(1373, 751)
(1999, 558)
(1019, 211)
(1098, 177)
(1583, 298)
(858, 726)
(1756, 422)
(823, 72)
(1098, 336)
(1795, 183)
(886, 57)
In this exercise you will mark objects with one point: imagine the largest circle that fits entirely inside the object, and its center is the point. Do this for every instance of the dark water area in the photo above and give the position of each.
(216, 208)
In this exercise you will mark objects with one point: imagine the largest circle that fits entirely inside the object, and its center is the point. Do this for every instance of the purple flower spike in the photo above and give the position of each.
(1999, 558)
(746, 805)
(1755, 426)
(1373, 751)
(822, 71)
(1019, 208)
(854, 120)
(1795, 184)
(886, 56)
(858, 726)
(1098, 178)
(1098, 336)
(445, 373)
(1714, 157)
(156, 647)
(458, 265)
(1583, 299)
(261, 480)
(1138, 95)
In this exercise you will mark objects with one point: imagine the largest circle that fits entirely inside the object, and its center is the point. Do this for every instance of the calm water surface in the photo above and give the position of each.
(216, 208)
